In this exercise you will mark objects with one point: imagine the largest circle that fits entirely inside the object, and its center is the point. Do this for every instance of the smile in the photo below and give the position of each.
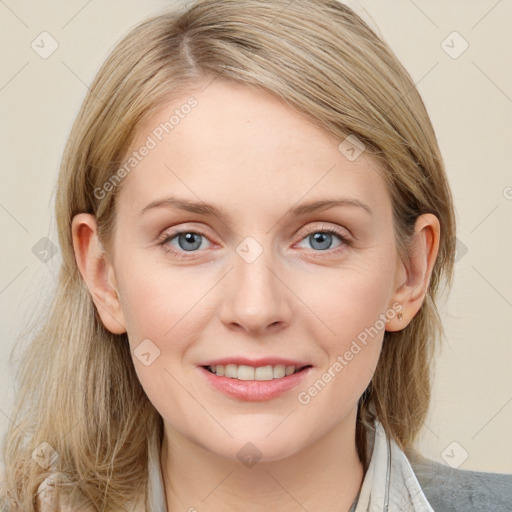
(244, 372)
(251, 383)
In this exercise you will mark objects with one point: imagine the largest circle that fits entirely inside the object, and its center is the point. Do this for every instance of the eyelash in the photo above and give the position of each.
(166, 237)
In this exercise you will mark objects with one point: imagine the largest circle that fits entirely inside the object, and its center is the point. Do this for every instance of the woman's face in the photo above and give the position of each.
(255, 276)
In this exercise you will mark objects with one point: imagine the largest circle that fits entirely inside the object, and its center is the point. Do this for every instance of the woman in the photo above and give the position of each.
(282, 359)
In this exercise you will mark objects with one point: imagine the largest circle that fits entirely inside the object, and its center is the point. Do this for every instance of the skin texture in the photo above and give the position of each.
(252, 156)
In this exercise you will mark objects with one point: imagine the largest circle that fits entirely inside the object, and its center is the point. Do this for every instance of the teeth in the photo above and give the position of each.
(243, 372)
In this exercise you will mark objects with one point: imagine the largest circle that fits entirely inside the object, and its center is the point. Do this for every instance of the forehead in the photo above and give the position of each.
(243, 146)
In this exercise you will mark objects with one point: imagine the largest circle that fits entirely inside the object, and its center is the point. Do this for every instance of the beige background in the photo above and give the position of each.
(469, 99)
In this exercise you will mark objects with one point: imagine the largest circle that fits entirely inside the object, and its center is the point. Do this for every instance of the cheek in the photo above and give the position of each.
(350, 307)
(350, 337)
(155, 304)
(155, 299)
(350, 299)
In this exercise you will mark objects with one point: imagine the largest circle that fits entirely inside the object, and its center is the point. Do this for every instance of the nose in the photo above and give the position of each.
(257, 298)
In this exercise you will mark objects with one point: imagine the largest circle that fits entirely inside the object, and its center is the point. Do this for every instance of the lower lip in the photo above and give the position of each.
(255, 390)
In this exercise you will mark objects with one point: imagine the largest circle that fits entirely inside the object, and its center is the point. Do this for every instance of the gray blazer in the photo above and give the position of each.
(460, 490)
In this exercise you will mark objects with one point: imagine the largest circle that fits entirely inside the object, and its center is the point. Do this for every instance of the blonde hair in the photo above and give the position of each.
(79, 391)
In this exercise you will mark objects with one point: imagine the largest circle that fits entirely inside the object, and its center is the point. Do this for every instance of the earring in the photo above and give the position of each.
(400, 316)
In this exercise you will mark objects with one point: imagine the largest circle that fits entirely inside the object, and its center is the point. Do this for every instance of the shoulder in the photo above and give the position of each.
(51, 498)
(68, 498)
(459, 490)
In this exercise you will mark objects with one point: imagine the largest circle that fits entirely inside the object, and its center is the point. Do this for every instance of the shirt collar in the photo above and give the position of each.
(389, 482)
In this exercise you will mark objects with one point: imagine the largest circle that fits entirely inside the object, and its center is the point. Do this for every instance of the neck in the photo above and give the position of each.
(325, 475)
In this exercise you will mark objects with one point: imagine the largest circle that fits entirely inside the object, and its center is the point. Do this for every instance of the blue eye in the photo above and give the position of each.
(190, 241)
(323, 239)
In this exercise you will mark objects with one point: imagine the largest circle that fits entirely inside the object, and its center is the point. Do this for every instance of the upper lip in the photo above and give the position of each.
(263, 361)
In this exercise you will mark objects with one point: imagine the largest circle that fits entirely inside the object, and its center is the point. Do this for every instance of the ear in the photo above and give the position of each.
(413, 277)
(97, 272)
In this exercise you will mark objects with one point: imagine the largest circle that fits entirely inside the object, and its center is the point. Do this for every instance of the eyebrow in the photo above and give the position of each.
(209, 209)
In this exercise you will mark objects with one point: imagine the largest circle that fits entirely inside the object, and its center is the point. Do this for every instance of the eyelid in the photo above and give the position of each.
(173, 232)
(302, 233)
(342, 233)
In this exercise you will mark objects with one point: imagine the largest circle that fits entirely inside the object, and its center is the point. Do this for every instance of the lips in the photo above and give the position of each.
(255, 390)
(257, 385)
